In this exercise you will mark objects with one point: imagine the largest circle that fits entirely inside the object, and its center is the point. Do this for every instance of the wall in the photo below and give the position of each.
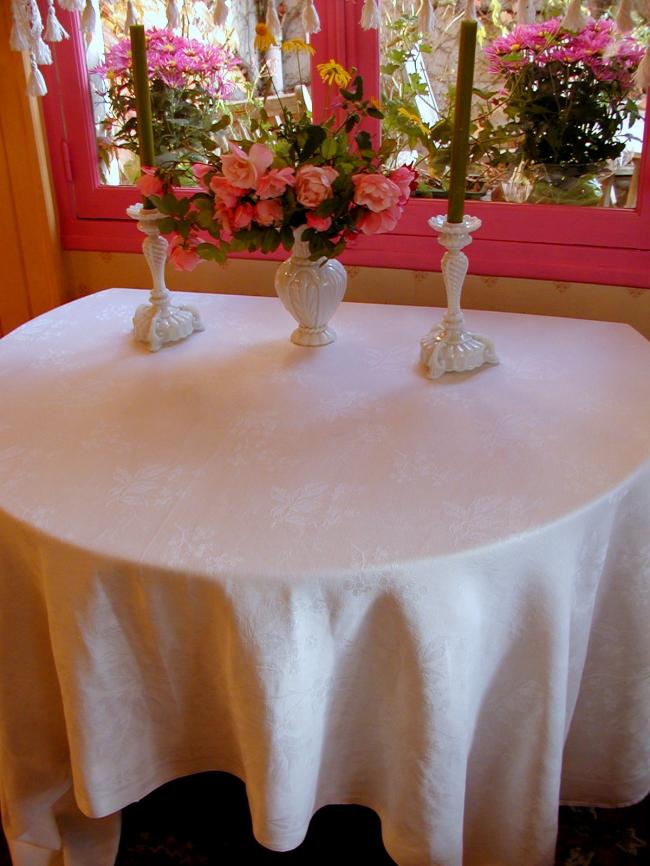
(90, 272)
(32, 274)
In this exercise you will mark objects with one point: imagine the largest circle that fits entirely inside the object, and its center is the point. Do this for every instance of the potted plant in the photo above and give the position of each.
(571, 93)
(189, 81)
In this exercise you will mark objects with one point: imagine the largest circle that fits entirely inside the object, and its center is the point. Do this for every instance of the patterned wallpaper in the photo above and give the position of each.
(90, 272)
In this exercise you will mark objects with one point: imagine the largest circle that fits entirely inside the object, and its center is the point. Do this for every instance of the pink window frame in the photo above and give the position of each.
(591, 245)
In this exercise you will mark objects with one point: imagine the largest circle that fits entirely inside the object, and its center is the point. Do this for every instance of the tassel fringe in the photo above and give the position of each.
(624, 20)
(72, 5)
(19, 40)
(42, 53)
(371, 15)
(574, 18)
(273, 21)
(88, 20)
(54, 32)
(36, 84)
(310, 19)
(173, 15)
(131, 16)
(426, 17)
(525, 12)
(642, 74)
(220, 12)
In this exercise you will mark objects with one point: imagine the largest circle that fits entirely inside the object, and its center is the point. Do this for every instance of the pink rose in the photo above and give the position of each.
(224, 191)
(242, 169)
(375, 223)
(243, 215)
(405, 178)
(148, 183)
(199, 170)
(183, 256)
(274, 183)
(268, 211)
(321, 224)
(375, 191)
(314, 184)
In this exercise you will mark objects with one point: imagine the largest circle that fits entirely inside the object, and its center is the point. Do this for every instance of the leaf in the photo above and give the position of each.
(351, 122)
(327, 207)
(270, 240)
(363, 140)
(167, 226)
(211, 252)
(329, 148)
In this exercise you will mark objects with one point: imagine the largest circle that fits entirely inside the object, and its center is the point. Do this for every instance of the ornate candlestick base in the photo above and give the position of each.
(159, 321)
(448, 347)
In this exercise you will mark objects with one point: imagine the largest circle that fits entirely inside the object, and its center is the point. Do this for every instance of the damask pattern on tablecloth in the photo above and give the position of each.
(325, 573)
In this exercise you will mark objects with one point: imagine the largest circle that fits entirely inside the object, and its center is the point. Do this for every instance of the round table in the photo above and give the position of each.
(323, 572)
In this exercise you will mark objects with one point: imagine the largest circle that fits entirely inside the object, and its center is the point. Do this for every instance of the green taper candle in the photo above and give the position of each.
(462, 114)
(142, 97)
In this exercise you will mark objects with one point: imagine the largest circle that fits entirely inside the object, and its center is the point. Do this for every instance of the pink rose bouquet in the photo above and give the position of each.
(296, 175)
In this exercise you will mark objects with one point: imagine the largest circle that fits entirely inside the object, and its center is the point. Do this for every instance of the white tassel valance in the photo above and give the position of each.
(310, 19)
(273, 21)
(642, 75)
(371, 15)
(624, 20)
(131, 16)
(72, 5)
(89, 20)
(574, 19)
(28, 34)
(426, 17)
(173, 15)
(525, 12)
(54, 31)
(36, 84)
(220, 12)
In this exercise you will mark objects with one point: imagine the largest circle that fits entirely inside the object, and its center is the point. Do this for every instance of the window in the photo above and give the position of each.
(587, 244)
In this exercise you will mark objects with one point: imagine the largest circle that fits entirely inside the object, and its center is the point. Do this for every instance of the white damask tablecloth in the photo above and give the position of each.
(325, 573)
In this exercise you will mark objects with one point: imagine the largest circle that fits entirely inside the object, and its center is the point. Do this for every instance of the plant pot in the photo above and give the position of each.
(570, 184)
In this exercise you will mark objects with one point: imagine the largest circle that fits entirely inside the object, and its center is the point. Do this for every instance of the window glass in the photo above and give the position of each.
(556, 118)
(210, 77)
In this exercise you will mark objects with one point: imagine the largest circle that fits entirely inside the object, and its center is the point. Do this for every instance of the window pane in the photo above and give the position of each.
(208, 81)
(559, 123)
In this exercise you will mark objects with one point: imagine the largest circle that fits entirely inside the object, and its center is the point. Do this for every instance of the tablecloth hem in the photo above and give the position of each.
(624, 804)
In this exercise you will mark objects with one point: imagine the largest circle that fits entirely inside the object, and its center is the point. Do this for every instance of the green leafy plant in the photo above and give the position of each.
(405, 91)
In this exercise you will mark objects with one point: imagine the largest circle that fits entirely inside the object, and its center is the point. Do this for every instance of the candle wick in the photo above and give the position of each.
(470, 10)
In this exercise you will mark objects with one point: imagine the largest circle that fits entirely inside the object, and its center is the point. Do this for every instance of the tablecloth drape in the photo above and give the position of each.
(322, 572)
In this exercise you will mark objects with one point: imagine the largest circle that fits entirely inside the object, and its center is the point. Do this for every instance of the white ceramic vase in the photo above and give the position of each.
(311, 292)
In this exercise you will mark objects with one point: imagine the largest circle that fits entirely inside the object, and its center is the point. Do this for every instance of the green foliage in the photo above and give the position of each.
(493, 141)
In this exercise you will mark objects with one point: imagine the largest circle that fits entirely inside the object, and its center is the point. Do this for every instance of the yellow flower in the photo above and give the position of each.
(297, 45)
(263, 37)
(375, 103)
(333, 73)
(409, 115)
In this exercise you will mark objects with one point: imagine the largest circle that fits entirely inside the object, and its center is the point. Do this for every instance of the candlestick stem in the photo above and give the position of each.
(448, 347)
(159, 321)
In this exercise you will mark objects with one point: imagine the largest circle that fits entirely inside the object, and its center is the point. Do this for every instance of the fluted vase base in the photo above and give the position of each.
(311, 292)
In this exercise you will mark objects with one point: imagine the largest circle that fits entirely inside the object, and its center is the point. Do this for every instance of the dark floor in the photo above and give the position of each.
(175, 826)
